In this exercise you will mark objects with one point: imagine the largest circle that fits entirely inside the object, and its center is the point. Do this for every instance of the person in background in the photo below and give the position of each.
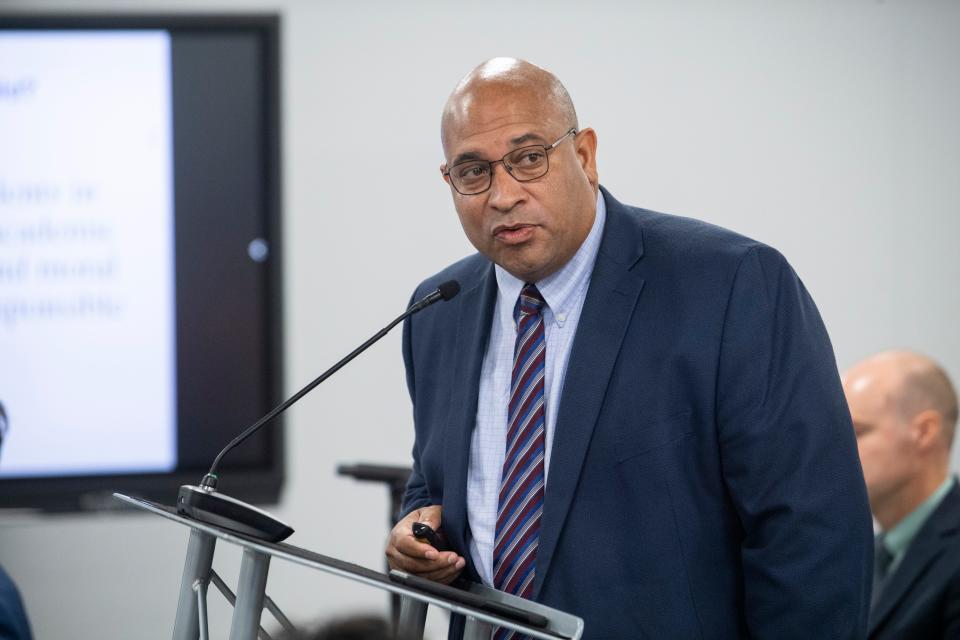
(13, 617)
(356, 627)
(904, 411)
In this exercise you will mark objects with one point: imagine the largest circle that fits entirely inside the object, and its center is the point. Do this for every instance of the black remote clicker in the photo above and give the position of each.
(425, 533)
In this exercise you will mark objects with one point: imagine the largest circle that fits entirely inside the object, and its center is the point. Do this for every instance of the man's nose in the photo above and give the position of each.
(505, 191)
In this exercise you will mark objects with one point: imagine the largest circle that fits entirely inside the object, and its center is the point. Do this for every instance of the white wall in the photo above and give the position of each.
(827, 129)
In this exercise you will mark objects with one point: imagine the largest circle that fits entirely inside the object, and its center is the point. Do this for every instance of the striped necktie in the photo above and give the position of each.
(520, 503)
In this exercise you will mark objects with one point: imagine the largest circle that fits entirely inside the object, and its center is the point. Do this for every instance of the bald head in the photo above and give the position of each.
(507, 79)
(904, 411)
(908, 383)
(530, 225)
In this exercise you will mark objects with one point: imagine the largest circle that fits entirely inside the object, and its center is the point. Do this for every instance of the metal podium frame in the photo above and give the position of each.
(251, 598)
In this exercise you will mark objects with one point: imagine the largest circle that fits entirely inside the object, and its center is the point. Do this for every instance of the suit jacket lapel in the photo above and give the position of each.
(473, 330)
(607, 310)
(929, 543)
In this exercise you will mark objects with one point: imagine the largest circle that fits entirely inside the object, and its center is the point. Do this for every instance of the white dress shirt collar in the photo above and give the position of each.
(562, 289)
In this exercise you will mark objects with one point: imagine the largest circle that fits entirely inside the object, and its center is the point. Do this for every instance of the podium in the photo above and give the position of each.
(483, 608)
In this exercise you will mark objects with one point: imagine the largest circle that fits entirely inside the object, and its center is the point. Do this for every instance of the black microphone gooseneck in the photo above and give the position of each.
(205, 504)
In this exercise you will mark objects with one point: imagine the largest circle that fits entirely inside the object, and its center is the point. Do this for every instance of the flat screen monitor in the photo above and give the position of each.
(140, 285)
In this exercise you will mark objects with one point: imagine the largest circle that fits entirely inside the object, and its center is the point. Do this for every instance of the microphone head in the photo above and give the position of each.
(449, 289)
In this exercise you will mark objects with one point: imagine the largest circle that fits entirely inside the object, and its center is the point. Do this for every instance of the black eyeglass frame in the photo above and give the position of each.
(572, 131)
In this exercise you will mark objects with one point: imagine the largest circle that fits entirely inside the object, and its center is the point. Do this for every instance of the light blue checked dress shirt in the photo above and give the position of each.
(564, 293)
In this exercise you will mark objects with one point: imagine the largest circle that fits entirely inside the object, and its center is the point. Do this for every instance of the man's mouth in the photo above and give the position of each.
(514, 233)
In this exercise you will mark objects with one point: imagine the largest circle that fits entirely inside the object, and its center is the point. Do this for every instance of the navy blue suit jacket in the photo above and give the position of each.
(922, 597)
(704, 478)
(13, 618)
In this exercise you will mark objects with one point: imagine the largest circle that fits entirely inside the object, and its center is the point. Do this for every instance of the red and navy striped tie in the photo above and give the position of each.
(520, 504)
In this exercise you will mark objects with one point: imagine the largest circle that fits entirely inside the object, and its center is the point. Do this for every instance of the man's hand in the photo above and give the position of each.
(405, 553)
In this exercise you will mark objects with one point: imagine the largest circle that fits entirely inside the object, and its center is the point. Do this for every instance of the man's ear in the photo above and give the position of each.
(927, 429)
(443, 172)
(585, 146)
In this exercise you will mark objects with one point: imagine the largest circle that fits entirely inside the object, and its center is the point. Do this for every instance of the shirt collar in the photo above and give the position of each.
(560, 290)
(899, 537)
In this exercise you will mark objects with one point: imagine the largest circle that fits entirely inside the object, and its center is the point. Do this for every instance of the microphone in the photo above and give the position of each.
(445, 291)
(205, 504)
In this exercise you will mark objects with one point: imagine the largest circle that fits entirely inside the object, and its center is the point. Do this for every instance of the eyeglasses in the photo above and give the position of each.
(471, 177)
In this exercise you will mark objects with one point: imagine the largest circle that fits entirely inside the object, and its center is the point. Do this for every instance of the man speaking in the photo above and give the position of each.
(630, 416)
